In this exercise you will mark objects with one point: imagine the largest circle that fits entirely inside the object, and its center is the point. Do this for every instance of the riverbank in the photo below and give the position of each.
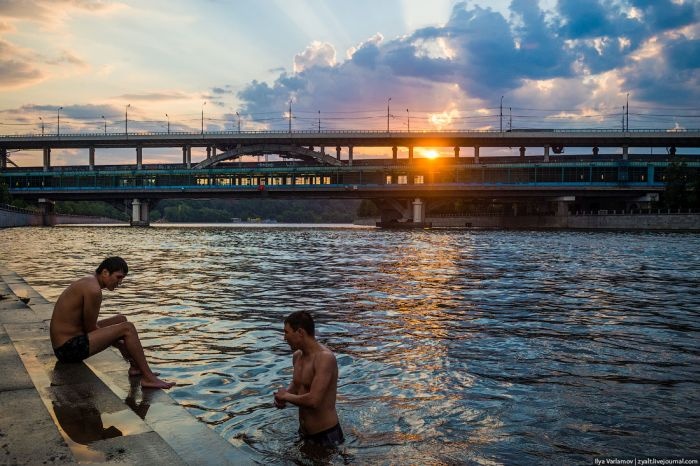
(53, 413)
(13, 217)
(608, 221)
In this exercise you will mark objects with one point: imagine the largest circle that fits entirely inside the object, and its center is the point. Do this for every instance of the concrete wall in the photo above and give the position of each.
(13, 217)
(628, 222)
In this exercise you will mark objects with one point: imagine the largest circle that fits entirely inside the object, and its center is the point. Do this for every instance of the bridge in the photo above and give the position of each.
(403, 188)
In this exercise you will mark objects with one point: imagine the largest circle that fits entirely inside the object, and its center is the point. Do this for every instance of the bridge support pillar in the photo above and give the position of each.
(625, 152)
(410, 154)
(337, 152)
(3, 159)
(476, 154)
(91, 158)
(323, 150)
(562, 205)
(456, 152)
(187, 156)
(522, 152)
(350, 156)
(418, 211)
(395, 153)
(46, 207)
(213, 151)
(546, 153)
(139, 213)
(139, 157)
(47, 158)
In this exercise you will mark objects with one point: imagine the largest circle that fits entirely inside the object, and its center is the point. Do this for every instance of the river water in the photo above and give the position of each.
(453, 346)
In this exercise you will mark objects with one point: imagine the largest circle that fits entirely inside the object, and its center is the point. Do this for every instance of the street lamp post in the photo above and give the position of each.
(168, 117)
(58, 121)
(387, 114)
(408, 120)
(501, 114)
(203, 104)
(239, 121)
(126, 120)
(42, 125)
(319, 121)
(290, 116)
(105, 121)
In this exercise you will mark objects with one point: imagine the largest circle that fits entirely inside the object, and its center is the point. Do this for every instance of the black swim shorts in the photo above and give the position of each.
(74, 350)
(326, 438)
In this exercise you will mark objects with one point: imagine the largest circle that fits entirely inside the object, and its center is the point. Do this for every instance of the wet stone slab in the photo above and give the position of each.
(14, 376)
(32, 437)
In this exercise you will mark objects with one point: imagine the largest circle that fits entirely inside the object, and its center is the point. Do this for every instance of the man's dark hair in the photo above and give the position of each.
(113, 264)
(301, 319)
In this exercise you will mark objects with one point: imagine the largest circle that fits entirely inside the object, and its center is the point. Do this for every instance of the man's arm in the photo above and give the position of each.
(319, 385)
(91, 308)
(292, 388)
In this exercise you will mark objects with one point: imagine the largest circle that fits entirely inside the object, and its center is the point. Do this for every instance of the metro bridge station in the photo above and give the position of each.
(617, 173)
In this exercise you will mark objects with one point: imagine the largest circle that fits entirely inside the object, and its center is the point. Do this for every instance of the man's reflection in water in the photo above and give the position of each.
(140, 407)
(81, 420)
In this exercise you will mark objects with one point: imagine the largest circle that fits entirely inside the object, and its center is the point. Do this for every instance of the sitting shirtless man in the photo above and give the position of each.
(76, 333)
(314, 383)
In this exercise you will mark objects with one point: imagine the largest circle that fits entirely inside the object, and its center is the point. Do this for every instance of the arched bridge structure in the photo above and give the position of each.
(283, 150)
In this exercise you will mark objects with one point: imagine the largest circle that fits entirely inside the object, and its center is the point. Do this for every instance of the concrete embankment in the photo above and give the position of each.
(14, 217)
(628, 222)
(91, 412)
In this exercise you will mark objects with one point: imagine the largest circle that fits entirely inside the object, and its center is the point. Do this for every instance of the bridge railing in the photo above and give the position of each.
(342, 131)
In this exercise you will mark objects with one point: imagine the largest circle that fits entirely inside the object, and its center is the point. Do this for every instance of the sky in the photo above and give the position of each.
(444, 64)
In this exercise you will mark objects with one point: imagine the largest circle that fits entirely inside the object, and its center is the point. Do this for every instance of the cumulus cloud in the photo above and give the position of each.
(316, 54)
(583, 56)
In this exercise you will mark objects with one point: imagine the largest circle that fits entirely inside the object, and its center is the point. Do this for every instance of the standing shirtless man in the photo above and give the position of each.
(314, 383)
(76, 334)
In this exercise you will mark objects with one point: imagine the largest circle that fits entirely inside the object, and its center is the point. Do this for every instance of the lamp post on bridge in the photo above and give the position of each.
(105, 121)
(319, 121)
(58, 121)
(408, 120)
(126, 120)
(42, 125)
(239, 121)
(203, 104)
(387, 114)
(168, 117)
(501, 114)
(290, 116)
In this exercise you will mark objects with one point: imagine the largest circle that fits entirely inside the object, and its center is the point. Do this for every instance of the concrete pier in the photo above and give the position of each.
(90, 412)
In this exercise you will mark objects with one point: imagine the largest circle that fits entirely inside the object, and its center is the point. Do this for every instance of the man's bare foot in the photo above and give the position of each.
(155, 382)
(136, 371)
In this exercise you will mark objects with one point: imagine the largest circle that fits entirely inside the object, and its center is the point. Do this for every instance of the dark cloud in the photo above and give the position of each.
(489, 56)
(78, 112)
(155, 96)
(16, 69)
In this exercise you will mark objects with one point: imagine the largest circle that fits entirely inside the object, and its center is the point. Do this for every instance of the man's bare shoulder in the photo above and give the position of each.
(86, 286)
(326, 356)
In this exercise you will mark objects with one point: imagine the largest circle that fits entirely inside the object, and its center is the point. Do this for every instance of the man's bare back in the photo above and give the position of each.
(68, 320)
(76, 334)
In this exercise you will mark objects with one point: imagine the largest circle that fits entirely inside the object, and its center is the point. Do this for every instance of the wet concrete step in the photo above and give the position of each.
(55, 413)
